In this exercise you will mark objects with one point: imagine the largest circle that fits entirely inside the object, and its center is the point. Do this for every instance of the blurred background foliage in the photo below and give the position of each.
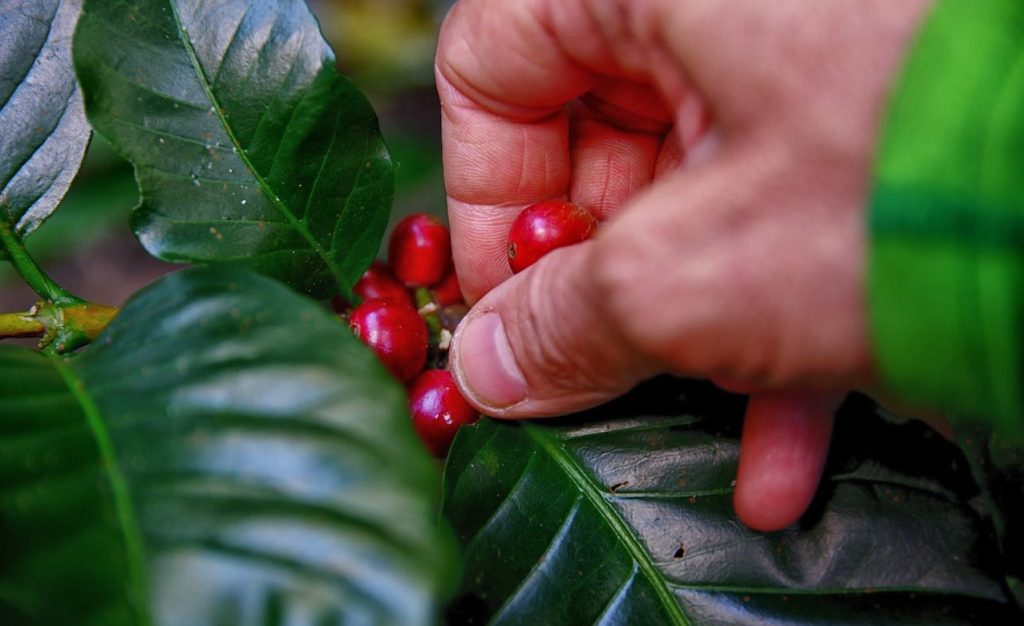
(385, 46)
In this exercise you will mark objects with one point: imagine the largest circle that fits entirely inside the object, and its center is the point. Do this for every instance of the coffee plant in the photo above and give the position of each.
(222, 449)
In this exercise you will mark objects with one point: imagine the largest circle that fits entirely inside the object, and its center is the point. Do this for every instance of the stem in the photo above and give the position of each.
(62, 327)
(89, 319)
(20, 325)
(71, 326)
(31, 272)
(428, 310)
(439, 337)
(63, 320)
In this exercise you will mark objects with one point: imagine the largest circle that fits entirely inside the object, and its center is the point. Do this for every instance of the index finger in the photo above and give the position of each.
(503, 82)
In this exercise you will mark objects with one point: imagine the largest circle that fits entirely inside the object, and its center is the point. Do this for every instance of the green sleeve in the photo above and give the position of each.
(946, 260)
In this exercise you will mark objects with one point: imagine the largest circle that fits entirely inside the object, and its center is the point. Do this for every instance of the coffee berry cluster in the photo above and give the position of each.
(411, 305)
(408, 310)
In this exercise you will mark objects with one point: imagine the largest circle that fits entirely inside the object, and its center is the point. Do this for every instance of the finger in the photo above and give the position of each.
(505, 69)
(493, 167)
(782, 454)
(539, 344)
(670, 156)
(702, 276)
(609, 164)
(503, 81)
(548, 340)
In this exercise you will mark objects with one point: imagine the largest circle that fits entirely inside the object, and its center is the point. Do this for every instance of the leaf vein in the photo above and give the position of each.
(131, 533)
(145, 88)
(506, 503)
(320, 170)
(276, 201)
(35, 55)
(271, 501)
(231, 43)
(352, 193)
(823, 591)
(637, 427)
(608, 612)
(621, 529)
(241, 220)
(667, 495)
(44, 139)
(537, 568)
(163, 133)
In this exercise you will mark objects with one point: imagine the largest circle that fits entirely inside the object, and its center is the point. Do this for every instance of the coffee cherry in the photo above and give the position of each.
(419, 251)
(448, 291)
(396, 332)
(376, 282)
(544, 226)
(438, 409)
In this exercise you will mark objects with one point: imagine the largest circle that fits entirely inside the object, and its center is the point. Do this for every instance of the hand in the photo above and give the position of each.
(732, 251)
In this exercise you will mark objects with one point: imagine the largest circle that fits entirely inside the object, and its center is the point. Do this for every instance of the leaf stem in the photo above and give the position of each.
(20, 325)
(62, 327)
(439, 337)
(428, 311)
(31, 272)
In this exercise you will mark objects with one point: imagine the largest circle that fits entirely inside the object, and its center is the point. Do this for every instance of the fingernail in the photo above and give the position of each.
(486, 364)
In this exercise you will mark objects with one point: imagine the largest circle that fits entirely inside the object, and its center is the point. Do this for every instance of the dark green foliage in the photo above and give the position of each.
(226, 453)
(248, 146)
(43, 132)
(623, 516)
(998, 466)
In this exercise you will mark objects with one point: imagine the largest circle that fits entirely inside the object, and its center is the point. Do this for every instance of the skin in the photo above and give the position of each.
(726, 145)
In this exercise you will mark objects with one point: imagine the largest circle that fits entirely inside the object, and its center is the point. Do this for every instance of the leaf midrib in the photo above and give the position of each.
(135, 556)
(619, 527)
(268, 191)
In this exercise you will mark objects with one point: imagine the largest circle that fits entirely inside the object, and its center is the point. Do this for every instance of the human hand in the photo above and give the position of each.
(733, 252)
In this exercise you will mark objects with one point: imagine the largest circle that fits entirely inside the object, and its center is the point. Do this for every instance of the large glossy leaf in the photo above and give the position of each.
(43, 132)
(248, 146)
(623, 516)
(998, 465)
(225, 454)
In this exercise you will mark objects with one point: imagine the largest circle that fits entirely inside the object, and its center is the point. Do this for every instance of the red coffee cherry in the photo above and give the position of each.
(544, 226)
(376, 282)
(396, 332)
(447, 291)
(438, 409)
(420, 250)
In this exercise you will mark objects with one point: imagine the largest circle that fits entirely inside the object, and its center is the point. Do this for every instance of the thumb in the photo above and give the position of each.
(563, 334)
(539, 344)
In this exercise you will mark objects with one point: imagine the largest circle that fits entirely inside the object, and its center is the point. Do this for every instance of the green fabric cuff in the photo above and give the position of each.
(946, 264)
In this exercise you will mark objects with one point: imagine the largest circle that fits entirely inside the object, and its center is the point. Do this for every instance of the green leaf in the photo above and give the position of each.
(997, 463)
(624, 516)
(248, 146)
(44, 133)
(226, 453)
